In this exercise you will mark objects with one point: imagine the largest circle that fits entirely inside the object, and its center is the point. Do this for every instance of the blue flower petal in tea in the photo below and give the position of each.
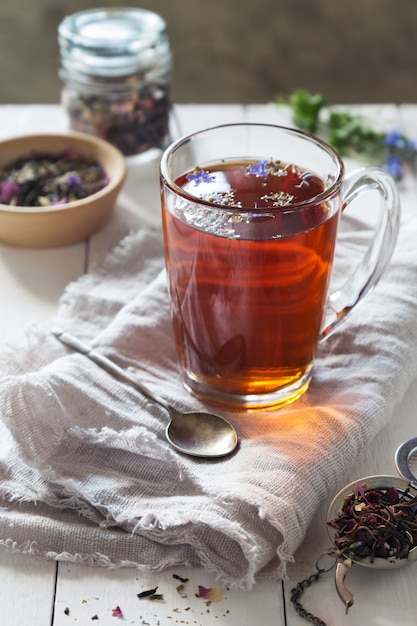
(258, 169)
(199, 175)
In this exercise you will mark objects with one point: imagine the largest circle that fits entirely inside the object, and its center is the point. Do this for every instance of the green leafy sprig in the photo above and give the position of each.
(351, 135)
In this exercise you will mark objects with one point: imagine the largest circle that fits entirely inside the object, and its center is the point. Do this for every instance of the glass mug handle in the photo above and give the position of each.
(370, 268)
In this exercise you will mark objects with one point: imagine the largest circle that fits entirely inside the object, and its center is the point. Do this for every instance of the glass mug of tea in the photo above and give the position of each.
(250, 219)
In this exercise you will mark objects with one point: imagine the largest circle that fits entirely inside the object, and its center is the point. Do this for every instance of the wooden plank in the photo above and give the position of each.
(86, 593)
(27, 590)
(32, 119)
(32, 282)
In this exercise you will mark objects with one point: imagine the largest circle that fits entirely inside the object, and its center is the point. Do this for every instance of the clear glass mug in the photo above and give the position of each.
(250, 219)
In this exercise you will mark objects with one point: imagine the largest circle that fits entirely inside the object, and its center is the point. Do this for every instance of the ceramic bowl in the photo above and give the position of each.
(59, 225)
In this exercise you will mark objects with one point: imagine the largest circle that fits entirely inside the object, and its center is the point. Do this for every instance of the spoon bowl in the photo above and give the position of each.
(204, 434)
(196, 434)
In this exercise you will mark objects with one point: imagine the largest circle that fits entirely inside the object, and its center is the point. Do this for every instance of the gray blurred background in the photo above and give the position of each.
(237, 50)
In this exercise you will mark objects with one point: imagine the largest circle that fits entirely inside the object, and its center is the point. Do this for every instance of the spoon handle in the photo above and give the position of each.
(106, 364)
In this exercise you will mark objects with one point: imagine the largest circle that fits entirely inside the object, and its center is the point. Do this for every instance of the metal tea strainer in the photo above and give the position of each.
(405, 461)
(406, 464)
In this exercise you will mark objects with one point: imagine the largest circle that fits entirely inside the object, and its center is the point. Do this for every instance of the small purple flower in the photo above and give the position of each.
(73, 179)
(393, 166)
(198, 176)
(393, 139)
(8, 190)
(258, 169)
(398, 143)
(361, 492)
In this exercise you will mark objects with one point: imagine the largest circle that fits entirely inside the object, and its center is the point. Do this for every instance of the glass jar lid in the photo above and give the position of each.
(110, 42)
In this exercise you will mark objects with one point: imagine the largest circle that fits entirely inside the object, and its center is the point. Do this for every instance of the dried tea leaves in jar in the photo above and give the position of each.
(115, 71)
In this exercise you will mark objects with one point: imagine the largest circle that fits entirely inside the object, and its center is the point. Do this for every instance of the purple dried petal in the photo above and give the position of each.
(117, 612)
(393, 495)
(373, 496)
(361, 491)
(334, 524)
(8, 190)
(209, 593)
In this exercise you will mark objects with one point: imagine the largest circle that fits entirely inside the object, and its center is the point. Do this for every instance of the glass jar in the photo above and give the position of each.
(115, 70)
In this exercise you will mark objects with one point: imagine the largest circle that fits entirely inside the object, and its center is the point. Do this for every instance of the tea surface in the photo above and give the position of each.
(252, 184)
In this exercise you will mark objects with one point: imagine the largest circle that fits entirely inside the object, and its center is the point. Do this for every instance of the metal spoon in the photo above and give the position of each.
(196, 434)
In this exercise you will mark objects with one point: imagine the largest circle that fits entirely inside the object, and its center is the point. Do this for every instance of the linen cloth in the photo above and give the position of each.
(87, 475)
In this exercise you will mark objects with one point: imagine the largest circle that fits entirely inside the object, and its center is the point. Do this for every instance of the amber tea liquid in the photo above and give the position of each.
(248, 279)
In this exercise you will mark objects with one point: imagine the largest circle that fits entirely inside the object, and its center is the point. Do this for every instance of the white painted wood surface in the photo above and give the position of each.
(48, 594)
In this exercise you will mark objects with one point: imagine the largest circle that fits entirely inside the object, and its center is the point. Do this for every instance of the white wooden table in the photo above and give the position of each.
(60, 594)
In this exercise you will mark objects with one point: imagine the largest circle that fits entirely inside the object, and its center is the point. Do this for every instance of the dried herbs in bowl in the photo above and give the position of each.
(57, 189)
(43, 179)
